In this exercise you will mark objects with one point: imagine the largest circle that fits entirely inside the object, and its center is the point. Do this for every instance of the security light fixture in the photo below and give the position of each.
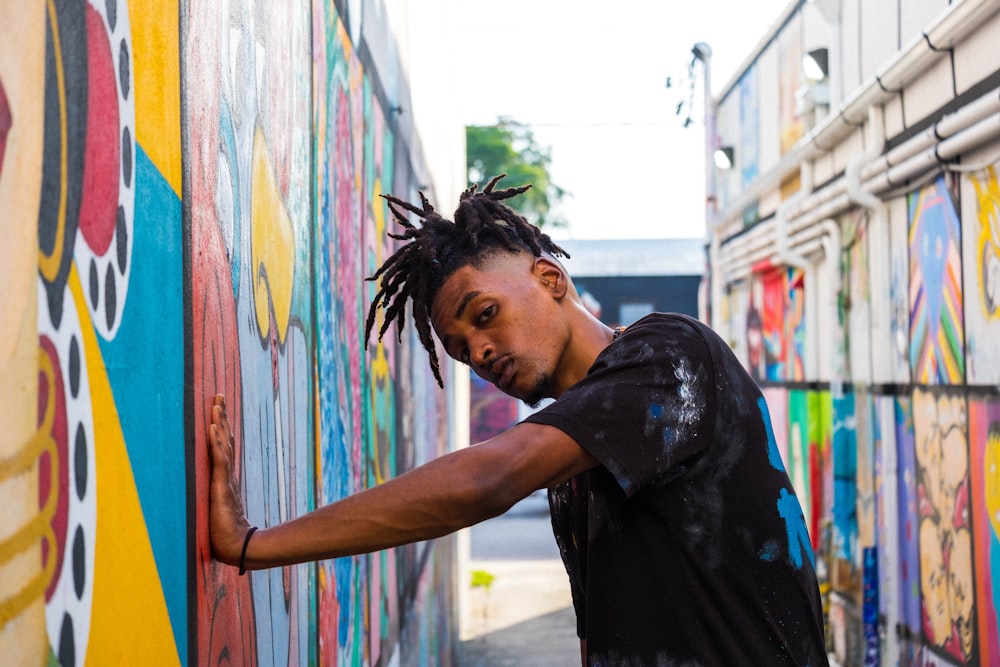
(724, 157)
(816, 64)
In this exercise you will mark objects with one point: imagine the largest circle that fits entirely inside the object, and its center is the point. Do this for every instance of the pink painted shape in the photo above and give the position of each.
(6, 122)
(102, 156)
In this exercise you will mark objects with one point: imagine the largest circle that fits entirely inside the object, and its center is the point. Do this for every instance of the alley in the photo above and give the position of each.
(524, 616)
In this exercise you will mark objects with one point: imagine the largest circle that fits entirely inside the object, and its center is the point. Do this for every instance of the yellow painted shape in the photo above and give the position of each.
(988, 244)
(272, 248)
(23, 637)
(157, 84)
(991, 473)
(22, 73)
(129, 621)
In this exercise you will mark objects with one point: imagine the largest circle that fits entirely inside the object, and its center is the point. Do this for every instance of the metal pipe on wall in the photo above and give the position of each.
(952, 25)
(953, 134)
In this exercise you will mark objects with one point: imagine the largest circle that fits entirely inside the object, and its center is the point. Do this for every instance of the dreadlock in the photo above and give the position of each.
(433, 251)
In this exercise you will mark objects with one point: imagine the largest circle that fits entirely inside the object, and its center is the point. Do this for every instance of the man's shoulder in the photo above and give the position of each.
(673, 326)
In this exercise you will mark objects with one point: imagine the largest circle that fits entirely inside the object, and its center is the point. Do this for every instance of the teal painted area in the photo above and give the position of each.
(145, 366)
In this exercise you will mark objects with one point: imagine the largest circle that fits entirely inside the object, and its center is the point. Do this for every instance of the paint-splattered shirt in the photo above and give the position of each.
(688, 545)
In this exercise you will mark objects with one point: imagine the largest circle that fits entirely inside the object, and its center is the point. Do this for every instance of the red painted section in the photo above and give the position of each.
(57, 483)
(225, 607)
(6, 122)
(102, 157)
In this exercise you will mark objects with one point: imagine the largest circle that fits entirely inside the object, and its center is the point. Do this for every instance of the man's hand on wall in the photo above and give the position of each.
(227, 523)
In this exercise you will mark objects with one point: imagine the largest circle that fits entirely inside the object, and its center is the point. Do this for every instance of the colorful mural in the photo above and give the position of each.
(856, 304)
(773, 310)
(754, 323)
(982, 277)
(909, 520)
(844, 458)
(944, 531)
(795, 321)
(248, 228)
(886, 481)
(937, 333)
(891, 431)
(26, 525)
(809, 431)
(984, 476)
(491, 411)
(173, 237)
(361, 421)
(84, 262)
(866, 424)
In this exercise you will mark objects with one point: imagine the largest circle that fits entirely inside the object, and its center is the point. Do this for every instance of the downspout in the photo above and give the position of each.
(715, 278)
(830, 242)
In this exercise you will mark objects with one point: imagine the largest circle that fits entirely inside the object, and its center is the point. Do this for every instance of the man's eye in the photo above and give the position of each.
(487, 313)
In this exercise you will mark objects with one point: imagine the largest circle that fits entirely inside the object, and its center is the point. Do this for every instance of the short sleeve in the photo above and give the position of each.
(645, 407)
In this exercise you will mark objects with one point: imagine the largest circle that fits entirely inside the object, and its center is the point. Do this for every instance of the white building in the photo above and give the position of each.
(855, 267)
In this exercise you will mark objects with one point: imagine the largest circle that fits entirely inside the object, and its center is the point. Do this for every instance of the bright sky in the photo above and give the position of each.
(590, 78)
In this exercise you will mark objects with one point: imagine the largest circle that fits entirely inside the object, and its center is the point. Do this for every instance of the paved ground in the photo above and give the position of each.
(525, 616)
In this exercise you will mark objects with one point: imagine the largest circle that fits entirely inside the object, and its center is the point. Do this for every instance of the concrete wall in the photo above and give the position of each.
(188, 205)
(855, 270)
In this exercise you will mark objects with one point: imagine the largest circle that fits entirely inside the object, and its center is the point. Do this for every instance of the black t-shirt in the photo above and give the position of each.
(688, 545)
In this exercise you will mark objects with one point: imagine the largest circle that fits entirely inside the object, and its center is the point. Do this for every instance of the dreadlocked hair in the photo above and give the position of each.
(483, 226)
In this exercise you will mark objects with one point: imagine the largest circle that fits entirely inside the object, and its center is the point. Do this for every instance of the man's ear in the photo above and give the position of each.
(552, 276)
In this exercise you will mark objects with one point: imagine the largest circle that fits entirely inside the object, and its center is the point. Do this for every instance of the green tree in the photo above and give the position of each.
(509, 147)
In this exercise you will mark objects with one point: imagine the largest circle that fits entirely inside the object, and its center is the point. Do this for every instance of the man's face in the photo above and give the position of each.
(503, 320)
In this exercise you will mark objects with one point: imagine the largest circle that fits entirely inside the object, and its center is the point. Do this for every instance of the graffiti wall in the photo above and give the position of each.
(189, 201)
(899, 482)
(981, 262)
(854, 265)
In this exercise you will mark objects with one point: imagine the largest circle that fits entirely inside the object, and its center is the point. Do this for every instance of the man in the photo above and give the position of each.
(678, 526)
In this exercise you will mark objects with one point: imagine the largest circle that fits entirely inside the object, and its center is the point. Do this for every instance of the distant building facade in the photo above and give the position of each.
(624, 279)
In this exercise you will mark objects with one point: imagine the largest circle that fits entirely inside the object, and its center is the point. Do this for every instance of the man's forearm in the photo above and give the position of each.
(435, 499)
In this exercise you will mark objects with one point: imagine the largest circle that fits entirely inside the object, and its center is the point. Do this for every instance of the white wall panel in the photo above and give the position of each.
(892, 113)
(824, 168)
(978, 56)
(879, 35)
(899, 287)
(848, 149)
(930, 92)
(851, 38)
(916, 15)
(767, 91)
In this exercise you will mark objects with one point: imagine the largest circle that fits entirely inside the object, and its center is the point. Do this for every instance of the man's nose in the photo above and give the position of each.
(481, 351)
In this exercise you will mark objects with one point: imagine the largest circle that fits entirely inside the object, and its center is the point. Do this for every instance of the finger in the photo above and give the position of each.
(219, 419)
(225, 429)
(220, 453)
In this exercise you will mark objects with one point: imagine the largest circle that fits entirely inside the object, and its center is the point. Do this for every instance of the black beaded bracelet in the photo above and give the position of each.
(243, 555)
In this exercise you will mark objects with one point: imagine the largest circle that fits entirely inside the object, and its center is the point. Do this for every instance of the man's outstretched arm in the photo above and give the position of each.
(444, 495)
